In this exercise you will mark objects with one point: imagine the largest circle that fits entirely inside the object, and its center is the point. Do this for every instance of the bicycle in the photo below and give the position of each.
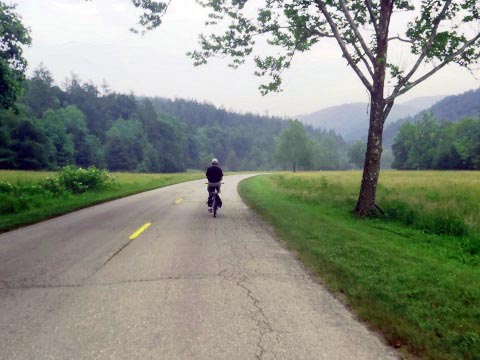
(214, 195)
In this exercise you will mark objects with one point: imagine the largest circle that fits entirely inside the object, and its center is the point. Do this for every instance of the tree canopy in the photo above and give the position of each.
(13, 35)
(429, 144)
(85, 126)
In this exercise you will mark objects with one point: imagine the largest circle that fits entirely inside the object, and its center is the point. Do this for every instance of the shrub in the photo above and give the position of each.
(53, 185)
(79, 180)
(16, 198)
(6, 187)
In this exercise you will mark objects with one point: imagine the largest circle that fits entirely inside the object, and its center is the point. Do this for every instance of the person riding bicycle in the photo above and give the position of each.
(215, 176)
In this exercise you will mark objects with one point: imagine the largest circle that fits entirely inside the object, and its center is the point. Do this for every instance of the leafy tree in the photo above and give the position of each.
(401, 146)
(467, 142)
(90, 152)
(30, 146)
(440, 33)
(431, 145)
(293, 148)
(7, 156)
(55, 130)
(124, 149)
(87, 147)
(173, 147)
(356, 153)
(13, 34)
(326, 153)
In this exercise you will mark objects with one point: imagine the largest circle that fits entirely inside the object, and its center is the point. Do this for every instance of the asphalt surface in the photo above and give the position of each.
(188, 287)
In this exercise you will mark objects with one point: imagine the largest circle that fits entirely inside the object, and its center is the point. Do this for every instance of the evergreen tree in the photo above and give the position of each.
(40, 94)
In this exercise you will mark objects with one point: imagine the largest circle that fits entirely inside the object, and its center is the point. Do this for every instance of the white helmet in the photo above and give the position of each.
(214, 161)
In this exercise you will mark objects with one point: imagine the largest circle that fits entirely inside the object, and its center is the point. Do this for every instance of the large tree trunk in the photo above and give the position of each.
(371, 169)
(378, 112)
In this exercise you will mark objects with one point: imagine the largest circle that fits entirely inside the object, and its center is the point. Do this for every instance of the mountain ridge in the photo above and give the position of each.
(351, 120)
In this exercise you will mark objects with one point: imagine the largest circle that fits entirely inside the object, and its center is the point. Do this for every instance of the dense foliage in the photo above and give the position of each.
(13, 35)
(80, 126)
(450, 109)
(429, 144)
(86, 126)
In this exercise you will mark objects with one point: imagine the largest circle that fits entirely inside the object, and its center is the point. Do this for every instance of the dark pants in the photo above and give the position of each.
(210, 190)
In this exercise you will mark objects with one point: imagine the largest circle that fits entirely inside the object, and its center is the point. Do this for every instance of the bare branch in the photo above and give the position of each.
(448, 59)
(386, 111)
(322, 34)
(436, 23)
(356, 31)
(400, 39)
(374, 19)
(362, 57)
(343, 46)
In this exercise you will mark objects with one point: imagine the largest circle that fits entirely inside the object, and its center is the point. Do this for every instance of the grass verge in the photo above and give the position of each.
(420, 289)
(42, 206)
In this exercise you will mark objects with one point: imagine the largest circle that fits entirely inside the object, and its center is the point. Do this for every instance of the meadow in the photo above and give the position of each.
(29, 201)
(412, 273)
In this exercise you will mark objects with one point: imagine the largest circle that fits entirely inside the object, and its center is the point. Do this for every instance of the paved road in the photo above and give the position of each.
(189, 287)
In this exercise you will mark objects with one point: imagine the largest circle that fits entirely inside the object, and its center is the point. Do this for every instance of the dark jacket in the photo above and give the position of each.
(214, 174)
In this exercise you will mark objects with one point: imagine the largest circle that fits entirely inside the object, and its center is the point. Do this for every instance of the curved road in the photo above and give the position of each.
(188, 287)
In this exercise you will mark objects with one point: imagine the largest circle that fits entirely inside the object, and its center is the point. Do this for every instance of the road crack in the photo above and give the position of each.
(115, 253)
(262, 321)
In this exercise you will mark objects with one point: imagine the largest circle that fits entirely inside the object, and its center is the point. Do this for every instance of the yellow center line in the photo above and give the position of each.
(178, 201)
(139, 231)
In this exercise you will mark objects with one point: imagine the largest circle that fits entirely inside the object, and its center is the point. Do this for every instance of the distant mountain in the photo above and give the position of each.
(450, 109)
(351, 120)
(423, 102)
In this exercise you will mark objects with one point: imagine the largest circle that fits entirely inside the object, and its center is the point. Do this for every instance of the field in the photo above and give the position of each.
(30, 206)
(412, 274)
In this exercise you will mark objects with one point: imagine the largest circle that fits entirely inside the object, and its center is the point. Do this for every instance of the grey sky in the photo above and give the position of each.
(92, 39)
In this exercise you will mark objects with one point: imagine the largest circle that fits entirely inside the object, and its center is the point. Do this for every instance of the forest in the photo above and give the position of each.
(85, 125)
(442, 145)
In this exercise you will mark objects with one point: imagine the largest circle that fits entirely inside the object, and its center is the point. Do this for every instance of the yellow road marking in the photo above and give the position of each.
(139, 231)
(178, 201)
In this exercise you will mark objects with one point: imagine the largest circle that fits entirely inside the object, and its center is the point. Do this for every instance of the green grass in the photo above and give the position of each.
(419, 288)
(40, 206)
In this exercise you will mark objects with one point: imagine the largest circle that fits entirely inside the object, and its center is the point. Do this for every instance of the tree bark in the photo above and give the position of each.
(371, 168)
(378, 111)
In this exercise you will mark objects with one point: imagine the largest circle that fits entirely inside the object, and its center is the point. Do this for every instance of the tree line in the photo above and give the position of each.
(83, 124)
(429, 144)
(48, 128)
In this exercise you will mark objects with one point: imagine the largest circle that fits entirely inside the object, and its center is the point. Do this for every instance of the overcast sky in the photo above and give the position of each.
(92, 40)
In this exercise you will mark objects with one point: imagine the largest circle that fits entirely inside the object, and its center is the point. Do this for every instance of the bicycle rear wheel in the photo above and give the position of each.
(214, 204)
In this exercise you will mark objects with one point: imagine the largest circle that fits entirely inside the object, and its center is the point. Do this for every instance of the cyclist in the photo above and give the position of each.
(215, 176)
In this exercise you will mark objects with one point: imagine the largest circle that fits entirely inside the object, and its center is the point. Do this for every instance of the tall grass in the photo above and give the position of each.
(439, 202)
